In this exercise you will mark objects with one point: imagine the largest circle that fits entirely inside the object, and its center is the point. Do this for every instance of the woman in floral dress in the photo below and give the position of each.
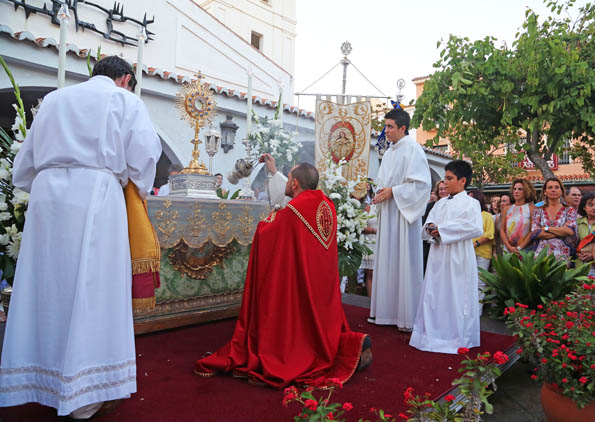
(554, 225)
(516, 219)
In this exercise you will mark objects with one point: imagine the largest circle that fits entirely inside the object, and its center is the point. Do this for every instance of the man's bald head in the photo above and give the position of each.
(306, 175)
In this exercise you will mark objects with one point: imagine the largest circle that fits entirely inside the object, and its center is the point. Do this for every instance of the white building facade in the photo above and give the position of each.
(184, 39)
(268, 25)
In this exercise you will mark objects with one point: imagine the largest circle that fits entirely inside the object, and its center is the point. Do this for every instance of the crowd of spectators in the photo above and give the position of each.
(561, 220)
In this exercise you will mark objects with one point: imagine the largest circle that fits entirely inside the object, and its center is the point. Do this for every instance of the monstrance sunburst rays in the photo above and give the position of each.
(196, 105)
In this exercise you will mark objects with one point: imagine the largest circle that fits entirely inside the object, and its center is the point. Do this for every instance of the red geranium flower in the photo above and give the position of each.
(403, 416)
(500, 358)
(462, 351)
(583, 380)
(449, 398)
(311, 404)
(347, 406)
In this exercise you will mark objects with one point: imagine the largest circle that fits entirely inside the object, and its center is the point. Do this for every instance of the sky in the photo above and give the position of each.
(391, 39)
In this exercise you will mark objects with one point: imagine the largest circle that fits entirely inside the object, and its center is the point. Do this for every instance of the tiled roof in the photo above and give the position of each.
(420, 78)
(577, 177)
(437, 152)
(150, 71)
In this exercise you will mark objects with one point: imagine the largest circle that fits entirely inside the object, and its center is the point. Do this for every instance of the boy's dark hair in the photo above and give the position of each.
(114, 67)
(307, 176)
(460, 168)
(589, 196)
(218, 174)
(401, 118)
(477, 194)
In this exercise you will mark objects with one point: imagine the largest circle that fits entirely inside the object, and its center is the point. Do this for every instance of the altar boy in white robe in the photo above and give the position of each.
(69, 340)
(448, 312)
(404, 184)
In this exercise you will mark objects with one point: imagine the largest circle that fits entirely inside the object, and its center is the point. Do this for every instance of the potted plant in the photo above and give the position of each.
(529, 279)
(560, 337)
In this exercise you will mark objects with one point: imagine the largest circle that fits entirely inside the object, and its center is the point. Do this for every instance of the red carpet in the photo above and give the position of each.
(169, 391)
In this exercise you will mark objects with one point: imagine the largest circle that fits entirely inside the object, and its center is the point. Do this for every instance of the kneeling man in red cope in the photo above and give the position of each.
(292, 327)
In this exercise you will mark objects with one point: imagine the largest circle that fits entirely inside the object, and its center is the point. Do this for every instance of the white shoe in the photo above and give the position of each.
(372, 320)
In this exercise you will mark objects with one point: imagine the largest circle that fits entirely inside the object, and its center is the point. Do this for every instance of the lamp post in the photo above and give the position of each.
(400, 86)
(212, 139)
(228, 133)
(64, 18)
(142, 38)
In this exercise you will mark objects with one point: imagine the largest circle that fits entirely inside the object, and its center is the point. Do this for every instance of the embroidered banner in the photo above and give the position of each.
(343, 133)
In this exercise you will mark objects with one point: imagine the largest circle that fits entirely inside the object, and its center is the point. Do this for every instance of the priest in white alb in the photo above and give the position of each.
(69, 340)
(404, 184)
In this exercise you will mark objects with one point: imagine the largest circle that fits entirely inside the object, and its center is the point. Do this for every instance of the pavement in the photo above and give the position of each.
(517, 398)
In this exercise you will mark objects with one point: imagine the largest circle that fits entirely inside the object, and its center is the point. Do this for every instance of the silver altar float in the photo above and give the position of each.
(197, 106)
(205, 241)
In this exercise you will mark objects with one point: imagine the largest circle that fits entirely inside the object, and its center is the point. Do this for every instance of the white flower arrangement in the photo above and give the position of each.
(13, 201)
(269, 136)
(351, 217)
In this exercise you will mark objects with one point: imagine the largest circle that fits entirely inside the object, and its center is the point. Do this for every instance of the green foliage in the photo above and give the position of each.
(483, 97)
(350, 261)
(97, 58)
(529, 279)
(17, 93)
(225, 194)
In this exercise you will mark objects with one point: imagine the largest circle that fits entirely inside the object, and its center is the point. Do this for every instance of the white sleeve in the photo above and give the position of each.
(23, 169)
(467, 225)
(277, 188)
(143, 147)
(413, 194)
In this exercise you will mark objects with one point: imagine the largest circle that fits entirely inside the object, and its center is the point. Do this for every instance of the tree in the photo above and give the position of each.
(530, 98)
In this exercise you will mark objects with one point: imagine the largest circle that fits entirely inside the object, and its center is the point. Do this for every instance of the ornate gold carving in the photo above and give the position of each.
(198, 263)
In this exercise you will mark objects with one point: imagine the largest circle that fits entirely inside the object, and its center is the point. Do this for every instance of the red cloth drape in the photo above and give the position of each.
(292, 326)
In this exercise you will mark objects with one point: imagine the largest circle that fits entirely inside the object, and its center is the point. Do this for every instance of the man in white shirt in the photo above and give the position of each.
(69, 340)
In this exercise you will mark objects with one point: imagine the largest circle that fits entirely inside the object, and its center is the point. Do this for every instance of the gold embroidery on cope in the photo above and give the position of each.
(327, 242)
(324, 220)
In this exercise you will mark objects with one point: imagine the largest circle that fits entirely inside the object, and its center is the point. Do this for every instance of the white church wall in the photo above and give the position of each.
(187, 39)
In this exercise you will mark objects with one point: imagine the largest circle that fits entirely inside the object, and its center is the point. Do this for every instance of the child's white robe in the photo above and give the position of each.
(448, 312)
